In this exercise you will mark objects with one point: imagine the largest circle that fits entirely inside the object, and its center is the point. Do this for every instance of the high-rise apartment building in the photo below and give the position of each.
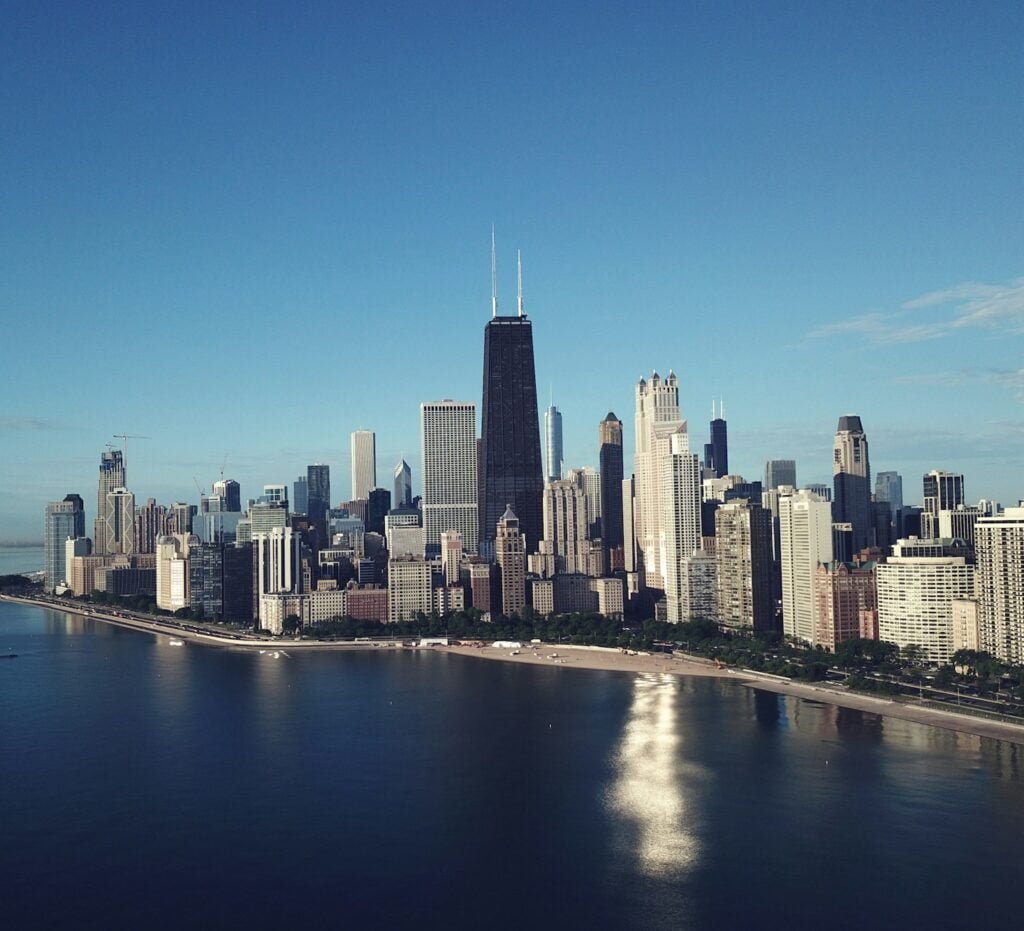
(172, 572)
(657, 420)
(553, 456)
(846, 603)
(448, 448)
(112, 475)
(611, 465)
(277, 560)
(63, 520)
(513, 475)
(851, 477)
(743, 555)
(364, 464)
(778, 472)
(915, 599)
(805, 542)
(590, 481)
(452, 551)
(510, 555)
(566, 526)
(681, 525)
(402, 497)
(999, 546)
(410, 588)
(150, 525)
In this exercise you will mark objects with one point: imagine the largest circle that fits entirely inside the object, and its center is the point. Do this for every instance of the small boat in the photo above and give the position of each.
(177, 643)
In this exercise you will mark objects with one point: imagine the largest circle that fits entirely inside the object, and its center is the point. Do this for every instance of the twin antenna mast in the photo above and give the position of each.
(494, 279)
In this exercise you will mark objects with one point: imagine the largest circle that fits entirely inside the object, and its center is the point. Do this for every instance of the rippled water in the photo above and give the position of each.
(147, 785)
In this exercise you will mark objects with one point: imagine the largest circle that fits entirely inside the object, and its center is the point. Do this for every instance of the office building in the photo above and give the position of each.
(779, 472)
(119, 522)
(822, 491)
(318, 496)
(915, 599)
(958, 523)
(364, 464)
(277, 560)
(553, 456)
(402, 497)
(403, 534)
(657, 420)
(513, 476)
(300, 495)
(716, 452)
(743, 555)
(510, 555)
(112, 475)
(450, 483)
(943, 491)
(566, 528)
(851, 479)
(610, 463)
(805, 542)
(999, 546)
(889, 487)
(378, 503)
(230, 493)
(63, 520)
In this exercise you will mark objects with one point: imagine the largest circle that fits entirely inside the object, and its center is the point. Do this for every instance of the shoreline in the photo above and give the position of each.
(607, 659)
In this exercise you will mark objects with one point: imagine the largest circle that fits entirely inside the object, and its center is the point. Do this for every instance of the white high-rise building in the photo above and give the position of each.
(999, 546)
(915, 600)
(805, 537)
(448, 433)
(172, 572)
(657, 419)
(364, 464)
(410, 588)
(566, 523)
(680, 523)
(277, 566)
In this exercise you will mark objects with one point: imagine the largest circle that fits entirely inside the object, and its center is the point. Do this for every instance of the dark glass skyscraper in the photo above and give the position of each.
(512, 471)
(318, 494)
(718, 448)
(610, 462)
(851, 477)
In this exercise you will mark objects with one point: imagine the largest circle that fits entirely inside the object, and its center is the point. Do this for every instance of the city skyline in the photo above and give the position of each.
(824, 224)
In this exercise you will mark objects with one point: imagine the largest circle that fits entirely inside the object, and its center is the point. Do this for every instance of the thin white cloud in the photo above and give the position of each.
(971, 304)
(26, 423)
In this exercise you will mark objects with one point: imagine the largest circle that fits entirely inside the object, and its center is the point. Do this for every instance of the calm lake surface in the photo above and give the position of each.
(150, 786)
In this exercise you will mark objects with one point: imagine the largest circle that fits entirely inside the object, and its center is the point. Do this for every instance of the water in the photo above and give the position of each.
(19, 559)
(145, 785)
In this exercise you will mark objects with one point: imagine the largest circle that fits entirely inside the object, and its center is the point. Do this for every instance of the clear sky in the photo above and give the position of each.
(251, 229)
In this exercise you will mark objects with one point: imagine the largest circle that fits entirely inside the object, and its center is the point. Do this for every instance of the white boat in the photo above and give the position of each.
(177, 643)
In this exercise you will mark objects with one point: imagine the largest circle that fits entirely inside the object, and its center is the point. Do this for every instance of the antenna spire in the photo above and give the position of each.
(519, 272)
(721, 408)
(494, 277)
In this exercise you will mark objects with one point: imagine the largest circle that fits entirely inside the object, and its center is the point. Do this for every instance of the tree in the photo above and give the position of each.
(291, 624)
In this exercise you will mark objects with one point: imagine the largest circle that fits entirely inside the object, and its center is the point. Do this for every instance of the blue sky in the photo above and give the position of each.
(253, 229)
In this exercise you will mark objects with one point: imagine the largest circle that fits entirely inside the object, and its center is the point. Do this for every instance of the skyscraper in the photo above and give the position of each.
(805, 538)
(610, 463)
(112, 475)
(681, 526)
(119, 522)
(63, 520)
(943, 491)
(553, 457)
(230, 493)
(377, 506)
(851, 477)
(318, 496)
(510, 554)
(889, 487)
(300, 495)
(779, 472)
(566, 525)
(716, 453)
(657, 419)
(590, 481)
(743, 552)
(448, 437)
(999, 544)
(364, 464)
(513, 474)
(403, 484)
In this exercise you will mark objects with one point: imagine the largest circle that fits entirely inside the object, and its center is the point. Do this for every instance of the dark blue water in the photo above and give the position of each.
(150, 786)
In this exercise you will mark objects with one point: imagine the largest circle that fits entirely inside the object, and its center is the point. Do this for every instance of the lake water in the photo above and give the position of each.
(144, 785)
(17, 559)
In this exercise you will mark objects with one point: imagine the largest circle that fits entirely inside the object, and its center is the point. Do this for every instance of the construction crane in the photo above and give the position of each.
(126, 437)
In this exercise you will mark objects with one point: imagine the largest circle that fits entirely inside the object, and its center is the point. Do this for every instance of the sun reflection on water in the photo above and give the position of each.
(652, 788)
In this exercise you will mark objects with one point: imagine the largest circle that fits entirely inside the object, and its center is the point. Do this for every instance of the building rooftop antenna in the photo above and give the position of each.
(494, 276)
(519, 274)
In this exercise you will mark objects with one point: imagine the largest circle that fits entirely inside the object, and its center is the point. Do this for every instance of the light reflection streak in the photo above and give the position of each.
(650, 789)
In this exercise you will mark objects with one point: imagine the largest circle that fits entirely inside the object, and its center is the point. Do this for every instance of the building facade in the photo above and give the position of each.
(851, 479)
(999, 546)
(63, 520)
(805, 542)
(450, 482)
(553, 456)
(364, 463)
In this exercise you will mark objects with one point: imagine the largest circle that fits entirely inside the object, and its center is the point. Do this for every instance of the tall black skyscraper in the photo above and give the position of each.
(716, 453)
(610, 461)
(318, 494)
(512, 471)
